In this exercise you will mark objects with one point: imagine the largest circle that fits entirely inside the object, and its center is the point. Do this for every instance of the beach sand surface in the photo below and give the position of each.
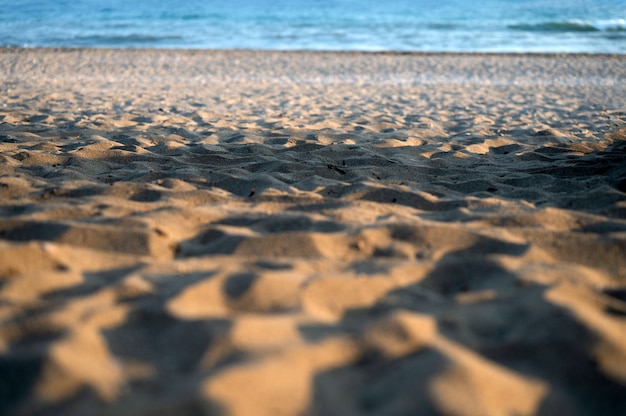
(292, 233)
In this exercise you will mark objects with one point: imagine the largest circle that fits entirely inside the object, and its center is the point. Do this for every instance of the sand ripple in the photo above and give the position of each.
(292, 233)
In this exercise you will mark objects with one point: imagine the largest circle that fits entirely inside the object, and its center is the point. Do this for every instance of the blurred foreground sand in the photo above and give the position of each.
(268, 233)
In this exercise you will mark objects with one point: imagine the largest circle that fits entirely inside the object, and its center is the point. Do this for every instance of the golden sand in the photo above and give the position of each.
(273, 233)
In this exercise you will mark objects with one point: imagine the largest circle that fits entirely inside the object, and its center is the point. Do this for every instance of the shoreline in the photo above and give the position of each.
(314, 51)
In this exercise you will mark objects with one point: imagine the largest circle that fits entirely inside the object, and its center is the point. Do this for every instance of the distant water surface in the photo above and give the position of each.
(591, 26)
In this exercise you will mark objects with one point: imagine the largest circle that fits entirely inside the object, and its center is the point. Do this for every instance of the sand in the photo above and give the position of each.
(290, 233)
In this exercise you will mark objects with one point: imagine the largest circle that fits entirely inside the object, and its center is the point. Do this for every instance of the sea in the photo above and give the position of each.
(510, 26)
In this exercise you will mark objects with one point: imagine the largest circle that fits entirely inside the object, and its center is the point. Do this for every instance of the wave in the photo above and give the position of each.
(134, 38)
(575, 25)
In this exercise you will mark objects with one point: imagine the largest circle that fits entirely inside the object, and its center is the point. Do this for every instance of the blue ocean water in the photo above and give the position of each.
(592, 26)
